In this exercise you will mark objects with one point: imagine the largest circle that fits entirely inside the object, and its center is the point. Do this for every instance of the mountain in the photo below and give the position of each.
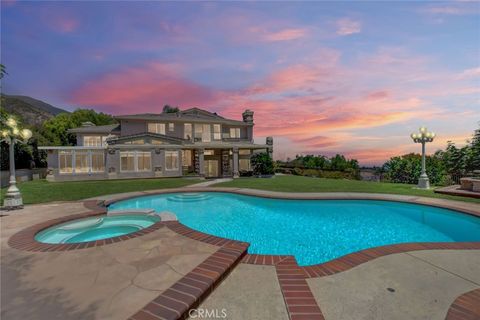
(32, 111)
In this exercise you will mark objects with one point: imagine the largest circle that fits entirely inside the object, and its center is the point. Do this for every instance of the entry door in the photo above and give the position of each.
(211, 168)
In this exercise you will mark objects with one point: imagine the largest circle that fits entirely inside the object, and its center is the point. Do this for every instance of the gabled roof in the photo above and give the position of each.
(111, 128)
(132, 137)
(190, 115)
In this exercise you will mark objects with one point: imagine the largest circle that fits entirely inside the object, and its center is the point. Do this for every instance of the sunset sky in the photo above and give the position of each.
(322, 77)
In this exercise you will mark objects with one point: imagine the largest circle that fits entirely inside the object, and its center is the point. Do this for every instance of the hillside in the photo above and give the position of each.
(32, 111)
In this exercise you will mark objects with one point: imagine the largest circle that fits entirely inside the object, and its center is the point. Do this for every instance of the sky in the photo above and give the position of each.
(354, 78)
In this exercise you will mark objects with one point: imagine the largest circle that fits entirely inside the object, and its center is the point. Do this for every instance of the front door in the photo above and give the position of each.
(211, 168)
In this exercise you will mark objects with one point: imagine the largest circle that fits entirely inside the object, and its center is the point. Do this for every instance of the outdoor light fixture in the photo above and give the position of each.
(11, 134)
(423, 137)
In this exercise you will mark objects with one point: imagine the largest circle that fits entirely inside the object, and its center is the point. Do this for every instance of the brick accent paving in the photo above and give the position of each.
(354, 259)
(465, 307)
(187, 293)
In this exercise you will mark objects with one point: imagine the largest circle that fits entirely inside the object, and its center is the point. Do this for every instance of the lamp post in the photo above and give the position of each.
(423, 137)
(11, 134)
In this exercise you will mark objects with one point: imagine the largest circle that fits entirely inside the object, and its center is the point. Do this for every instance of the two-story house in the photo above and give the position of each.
(188, 142)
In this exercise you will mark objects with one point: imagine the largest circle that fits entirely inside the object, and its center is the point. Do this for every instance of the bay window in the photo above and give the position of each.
(81, 161)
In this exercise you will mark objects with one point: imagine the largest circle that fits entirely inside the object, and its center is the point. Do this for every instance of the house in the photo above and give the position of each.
(189, 142)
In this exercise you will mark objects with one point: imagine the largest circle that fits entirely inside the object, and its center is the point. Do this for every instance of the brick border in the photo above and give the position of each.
(25, 238)
(465, 307)
(195, 286)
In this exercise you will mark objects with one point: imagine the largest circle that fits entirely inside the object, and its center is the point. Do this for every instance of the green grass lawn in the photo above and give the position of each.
(38, 191)
(306, 184)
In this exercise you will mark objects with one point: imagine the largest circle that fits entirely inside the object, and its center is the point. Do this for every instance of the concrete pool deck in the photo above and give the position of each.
(117, 280)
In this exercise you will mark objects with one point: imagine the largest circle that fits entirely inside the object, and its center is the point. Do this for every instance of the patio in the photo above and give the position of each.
(134, 278)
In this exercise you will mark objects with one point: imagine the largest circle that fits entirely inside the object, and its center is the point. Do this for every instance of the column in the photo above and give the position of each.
(235, 163)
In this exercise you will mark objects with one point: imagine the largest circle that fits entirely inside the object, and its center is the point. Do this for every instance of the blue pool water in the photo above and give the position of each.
(314, 231)
(95, 228)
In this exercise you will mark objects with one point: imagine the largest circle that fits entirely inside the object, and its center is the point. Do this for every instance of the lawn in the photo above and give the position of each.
(289, 183)
(38, 191)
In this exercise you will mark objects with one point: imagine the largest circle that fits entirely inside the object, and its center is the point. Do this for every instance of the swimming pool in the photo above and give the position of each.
(95, 228)
(314, 231)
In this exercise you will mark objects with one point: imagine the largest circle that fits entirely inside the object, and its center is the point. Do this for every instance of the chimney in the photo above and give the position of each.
(247, 116)
(88, 124)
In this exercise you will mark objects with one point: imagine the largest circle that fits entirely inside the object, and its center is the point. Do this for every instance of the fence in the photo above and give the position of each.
(23, 175)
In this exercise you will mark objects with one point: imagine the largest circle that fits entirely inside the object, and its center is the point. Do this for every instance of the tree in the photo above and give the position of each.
(262, 164)
(407, 169)
(168, 109)
(55, 129)
(3, 71)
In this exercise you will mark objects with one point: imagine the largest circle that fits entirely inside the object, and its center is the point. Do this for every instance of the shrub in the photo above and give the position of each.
(262, 164)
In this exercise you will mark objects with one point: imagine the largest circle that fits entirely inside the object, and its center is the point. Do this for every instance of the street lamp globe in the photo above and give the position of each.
(423, 137)
(12, 134)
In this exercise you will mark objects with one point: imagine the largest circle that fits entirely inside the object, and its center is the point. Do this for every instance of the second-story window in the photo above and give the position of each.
(171, 126)
(235, 133)
(156, 127)
(217, 134)
(92, 141)
(187, 131)
(207, 133)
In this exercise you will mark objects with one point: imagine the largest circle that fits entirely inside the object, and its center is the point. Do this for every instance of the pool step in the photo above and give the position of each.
(189, 197)
(130, 212)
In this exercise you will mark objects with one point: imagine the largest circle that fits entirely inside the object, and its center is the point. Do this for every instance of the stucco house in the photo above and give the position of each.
(189, 142)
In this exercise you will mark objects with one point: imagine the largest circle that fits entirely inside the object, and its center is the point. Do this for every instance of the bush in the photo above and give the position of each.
(262, 164)
(407, 169)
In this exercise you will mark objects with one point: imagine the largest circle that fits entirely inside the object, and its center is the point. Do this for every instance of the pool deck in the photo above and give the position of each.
(163, 273)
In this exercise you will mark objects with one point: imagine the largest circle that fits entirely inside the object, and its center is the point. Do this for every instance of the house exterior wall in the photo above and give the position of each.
(226, 149)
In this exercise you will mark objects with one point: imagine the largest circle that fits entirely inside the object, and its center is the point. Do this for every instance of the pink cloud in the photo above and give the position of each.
(347, 26)
(285, 35)
(144, 89)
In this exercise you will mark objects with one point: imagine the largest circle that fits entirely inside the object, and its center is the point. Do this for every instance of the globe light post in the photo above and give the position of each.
(12, 134)
(423, 137)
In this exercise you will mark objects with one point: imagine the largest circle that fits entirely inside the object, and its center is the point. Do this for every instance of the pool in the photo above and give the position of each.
(314, 231)
(95, 228)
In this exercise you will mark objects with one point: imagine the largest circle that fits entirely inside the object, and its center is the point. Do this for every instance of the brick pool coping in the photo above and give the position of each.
(25, 238)
(465, 307)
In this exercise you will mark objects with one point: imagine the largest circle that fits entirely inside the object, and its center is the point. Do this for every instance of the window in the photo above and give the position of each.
(144, 161)
(217, 135)
(244, 164)
(244, 152)
(127, 161)
(92, 141)
(156, 127)
(135, 161)
(187, 157)
(98, 162)
(65, 161)
(187, 131)
(171, 126)
(198, 131)
(171, 160)
(235, 133)
(209, 152)
(207, 133)
(138, 141)
(81, 162)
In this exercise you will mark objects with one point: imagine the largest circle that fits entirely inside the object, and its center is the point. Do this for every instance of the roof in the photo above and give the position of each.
(119, 140)
(111, 128)
(191, 115)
